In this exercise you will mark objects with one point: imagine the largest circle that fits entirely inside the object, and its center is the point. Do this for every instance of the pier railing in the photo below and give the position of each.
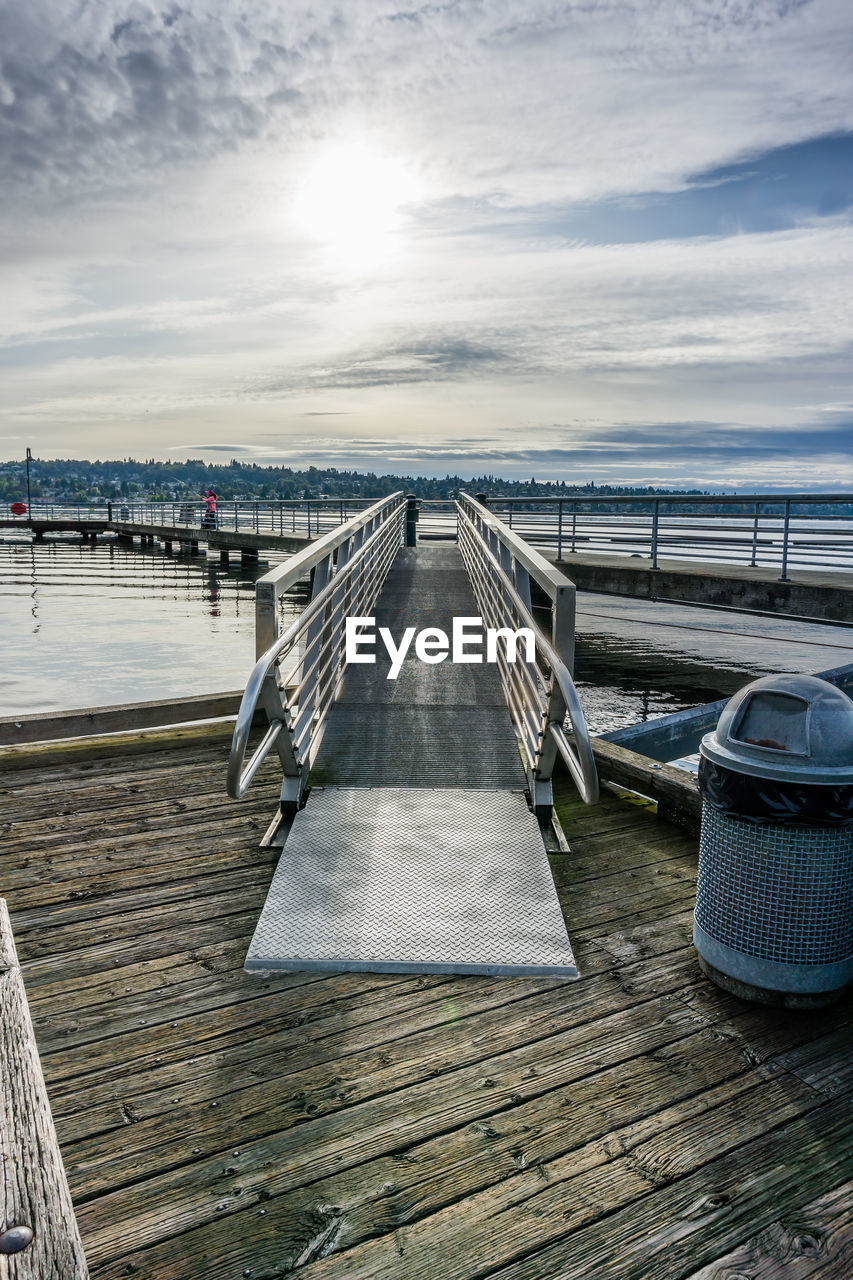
(540, 694)
(297, 674)
(308, 517)
(780, 531)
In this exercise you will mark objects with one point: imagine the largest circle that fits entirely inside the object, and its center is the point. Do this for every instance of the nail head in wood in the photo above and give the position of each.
(16, 1239)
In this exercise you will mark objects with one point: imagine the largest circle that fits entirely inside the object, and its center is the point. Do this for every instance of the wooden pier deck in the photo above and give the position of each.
(636, 1125)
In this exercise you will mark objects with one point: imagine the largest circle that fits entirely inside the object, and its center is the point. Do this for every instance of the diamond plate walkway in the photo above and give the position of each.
(417, 851)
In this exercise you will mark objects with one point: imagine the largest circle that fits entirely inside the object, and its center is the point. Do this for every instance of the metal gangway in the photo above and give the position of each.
(415, 809)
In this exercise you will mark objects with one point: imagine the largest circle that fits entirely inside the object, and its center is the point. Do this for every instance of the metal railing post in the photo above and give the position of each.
(783, 577)
(655, 518)
(560, 529)
(411, 520)
(753, 562)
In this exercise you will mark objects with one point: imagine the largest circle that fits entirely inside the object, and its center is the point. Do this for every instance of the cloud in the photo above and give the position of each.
(709, 455)
(507, 101)
(577, 248)
(438, 357)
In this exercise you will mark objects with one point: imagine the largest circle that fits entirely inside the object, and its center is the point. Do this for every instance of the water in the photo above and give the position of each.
(637, 659)
(85, 625)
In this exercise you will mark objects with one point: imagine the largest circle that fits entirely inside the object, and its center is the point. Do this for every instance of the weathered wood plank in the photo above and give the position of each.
(279, 1161)
(335, 1076)
(68, 993)
(67, 939)
(691, 1222)
(112, 955)
(675, 790)
(52, 725)
(121, 744)
(61, 839)
(367, 1018)
(826, 1063)
(57, 883)
(524, 1212)
(40, 779)
(37, 804)
(645, 847)
(814, 1243)
(689, 1078)
(33, 1186)
(123, 905)
(371, 1108)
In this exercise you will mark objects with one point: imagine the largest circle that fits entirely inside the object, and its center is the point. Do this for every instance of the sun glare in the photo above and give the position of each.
(352, 201)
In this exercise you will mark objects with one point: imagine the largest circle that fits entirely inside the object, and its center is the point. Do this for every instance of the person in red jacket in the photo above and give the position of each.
(209, 518)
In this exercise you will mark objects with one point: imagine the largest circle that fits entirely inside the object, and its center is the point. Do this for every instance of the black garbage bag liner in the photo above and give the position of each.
(762, 800)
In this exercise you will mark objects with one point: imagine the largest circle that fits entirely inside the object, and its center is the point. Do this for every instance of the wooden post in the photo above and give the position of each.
(34, 1189)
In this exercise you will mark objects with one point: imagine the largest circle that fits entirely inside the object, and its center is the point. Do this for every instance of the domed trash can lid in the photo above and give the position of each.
(788, 728)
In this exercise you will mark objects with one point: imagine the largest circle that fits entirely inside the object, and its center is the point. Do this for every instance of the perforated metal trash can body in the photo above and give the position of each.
(774, 903)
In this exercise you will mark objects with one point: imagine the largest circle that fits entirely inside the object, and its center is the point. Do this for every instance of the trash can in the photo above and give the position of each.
(774, 897)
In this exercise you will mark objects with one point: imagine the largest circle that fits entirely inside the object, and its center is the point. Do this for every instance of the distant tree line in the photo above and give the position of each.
(79, 480)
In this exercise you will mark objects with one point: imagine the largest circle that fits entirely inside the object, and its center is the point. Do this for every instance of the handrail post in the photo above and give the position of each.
(560, 529)
(563, 624)
(783, 577)
(753, 562)
(411, 520)
(655, 517)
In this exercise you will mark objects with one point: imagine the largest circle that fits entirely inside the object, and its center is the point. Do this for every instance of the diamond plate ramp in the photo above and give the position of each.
(414, 881)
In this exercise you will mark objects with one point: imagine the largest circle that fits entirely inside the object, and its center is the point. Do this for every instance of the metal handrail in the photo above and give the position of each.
(297, 677)
(774, 531)
(540, 694)
(318, 559)
(655, 525)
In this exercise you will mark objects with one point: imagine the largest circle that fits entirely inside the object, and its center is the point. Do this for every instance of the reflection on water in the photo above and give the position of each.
(89, 625)
(637, 659)
(94, 625)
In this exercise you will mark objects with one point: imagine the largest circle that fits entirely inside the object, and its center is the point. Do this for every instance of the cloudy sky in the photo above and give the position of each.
(604, 240)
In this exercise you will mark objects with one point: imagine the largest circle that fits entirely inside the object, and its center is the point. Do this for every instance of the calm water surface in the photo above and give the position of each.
(85, 625)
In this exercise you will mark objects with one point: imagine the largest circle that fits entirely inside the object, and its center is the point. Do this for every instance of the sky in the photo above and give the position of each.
(603, 240)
